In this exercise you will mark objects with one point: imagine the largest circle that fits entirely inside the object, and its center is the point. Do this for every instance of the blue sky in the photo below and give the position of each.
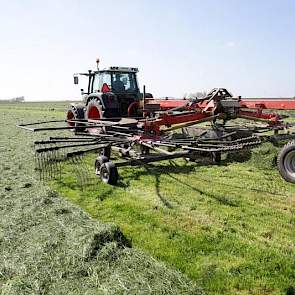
(180, 47)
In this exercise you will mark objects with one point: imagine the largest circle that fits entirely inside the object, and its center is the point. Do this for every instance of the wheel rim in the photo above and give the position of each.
(71, 116)
(93, 113)
(97, 168)
(289, 163)
(104, 174)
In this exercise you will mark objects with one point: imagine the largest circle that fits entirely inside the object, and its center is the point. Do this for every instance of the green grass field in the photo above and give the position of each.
(229, 227)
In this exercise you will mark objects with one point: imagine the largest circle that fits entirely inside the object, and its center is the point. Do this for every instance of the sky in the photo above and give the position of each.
(180, 47)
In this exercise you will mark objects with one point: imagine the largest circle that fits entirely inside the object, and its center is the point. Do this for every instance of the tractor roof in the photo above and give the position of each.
(110, 69)
(121, 69)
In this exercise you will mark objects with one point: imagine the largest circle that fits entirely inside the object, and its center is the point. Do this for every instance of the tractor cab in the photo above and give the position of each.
(119, 80)
(114, 89)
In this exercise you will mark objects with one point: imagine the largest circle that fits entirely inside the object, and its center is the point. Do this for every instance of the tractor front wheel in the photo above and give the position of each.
(109, 173)
(76, 112)
(286, 162)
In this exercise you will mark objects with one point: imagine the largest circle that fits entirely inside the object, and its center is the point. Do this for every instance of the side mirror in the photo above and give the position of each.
(76, 80)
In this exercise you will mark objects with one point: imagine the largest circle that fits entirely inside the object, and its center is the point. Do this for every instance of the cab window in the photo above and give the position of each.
(122, 82)
(100, 79)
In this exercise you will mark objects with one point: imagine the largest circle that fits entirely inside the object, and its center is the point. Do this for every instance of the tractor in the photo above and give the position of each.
(112, 93)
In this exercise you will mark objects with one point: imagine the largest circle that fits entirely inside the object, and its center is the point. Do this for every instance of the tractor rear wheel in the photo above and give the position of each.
(286, 162)
(76, 112)
(94, 110)
(109, 173)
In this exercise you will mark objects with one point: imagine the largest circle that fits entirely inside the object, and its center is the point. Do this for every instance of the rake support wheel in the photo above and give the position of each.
(216, 157)
(286, 162)
(106, 151)
(109, 173)
(100, 160)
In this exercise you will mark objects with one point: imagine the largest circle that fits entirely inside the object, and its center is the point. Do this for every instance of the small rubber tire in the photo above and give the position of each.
(216, 157)
(286, 162)
(106, 152)
(109, 173)
(99, 161)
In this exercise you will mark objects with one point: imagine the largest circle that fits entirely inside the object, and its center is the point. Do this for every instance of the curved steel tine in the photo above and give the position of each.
(79, 166)
(77, 171)
(85, 171)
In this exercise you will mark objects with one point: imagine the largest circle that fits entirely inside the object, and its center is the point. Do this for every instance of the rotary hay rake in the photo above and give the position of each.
(165, 134)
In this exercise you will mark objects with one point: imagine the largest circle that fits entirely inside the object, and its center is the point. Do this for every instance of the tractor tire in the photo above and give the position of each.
(216, 157)
(94, 110)
(106, 152)
(76, 112)
(286, 162)
(109, 173)
(100, 160)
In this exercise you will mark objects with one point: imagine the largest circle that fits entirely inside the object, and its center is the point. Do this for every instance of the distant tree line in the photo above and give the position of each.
(194, 95)
(14, 99)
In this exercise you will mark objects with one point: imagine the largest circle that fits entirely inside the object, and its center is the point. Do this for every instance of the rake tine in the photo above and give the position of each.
(50, 164)
(85, 171)
(43, 163)
(77, 160)
(36, 161)
(88, 173)
(76, 171)
(56, 163)
(53, 160)
(37, 167)
(45, 166)
(48, 172)
(42, 159)
(83, 175)
(59, 163)
(38, 164)
(64, 152)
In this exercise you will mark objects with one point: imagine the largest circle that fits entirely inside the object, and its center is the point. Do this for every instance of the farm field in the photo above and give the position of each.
(227, 228)
(50, 246)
